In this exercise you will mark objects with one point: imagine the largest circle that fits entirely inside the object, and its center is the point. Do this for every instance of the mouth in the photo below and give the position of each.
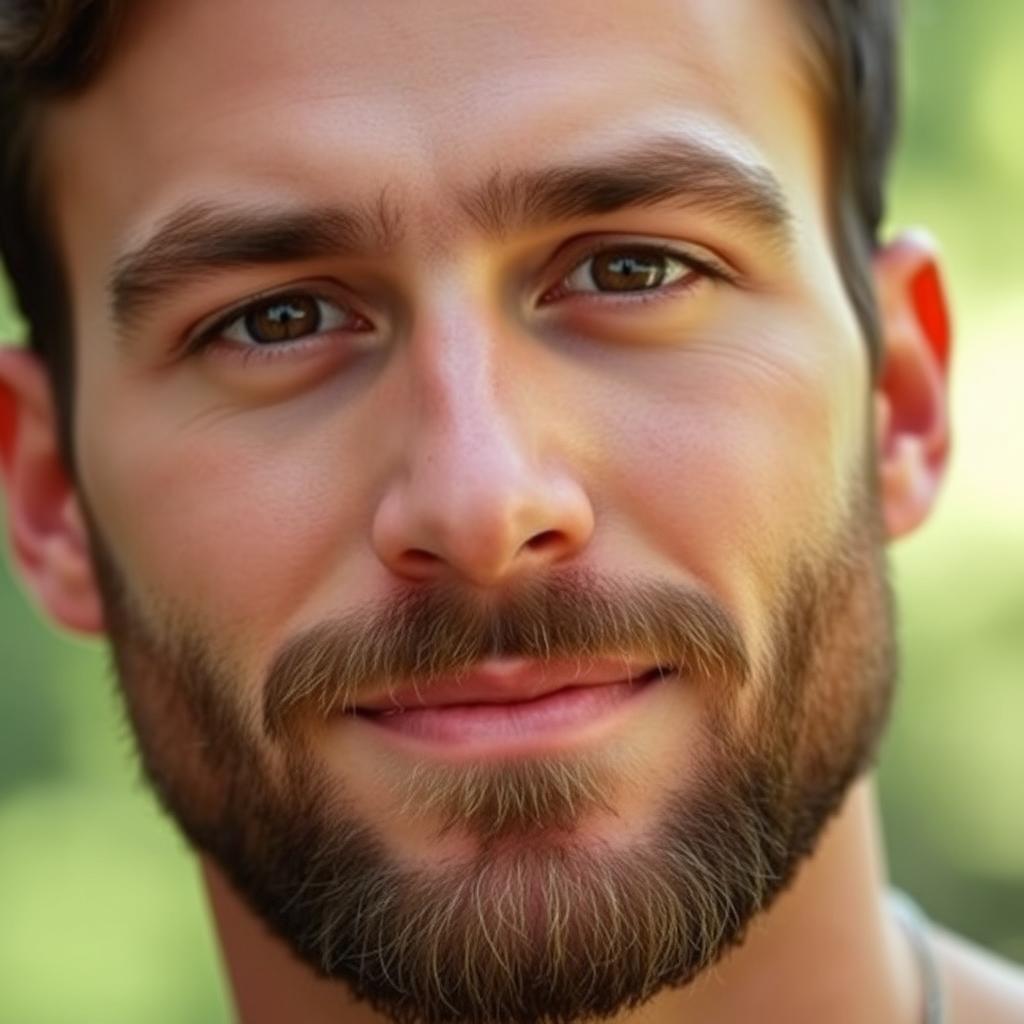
(507, 708)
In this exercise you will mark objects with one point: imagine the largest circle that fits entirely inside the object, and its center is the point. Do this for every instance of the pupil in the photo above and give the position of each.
(623, 272)
(283, 319)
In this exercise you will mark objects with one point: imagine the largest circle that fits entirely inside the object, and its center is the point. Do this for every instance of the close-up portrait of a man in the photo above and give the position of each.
(477, 430)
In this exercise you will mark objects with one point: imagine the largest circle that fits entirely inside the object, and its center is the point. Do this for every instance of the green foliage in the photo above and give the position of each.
(102, 917)
(953, 769)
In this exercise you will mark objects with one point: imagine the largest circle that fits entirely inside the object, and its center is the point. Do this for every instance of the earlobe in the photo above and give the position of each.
(48, 536)
(911, 393)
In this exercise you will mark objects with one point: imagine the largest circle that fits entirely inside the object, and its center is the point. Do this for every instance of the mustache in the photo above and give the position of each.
(441, 631)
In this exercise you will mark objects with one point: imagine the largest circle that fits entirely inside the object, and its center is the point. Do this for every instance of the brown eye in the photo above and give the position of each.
(284, 318)
(626, 270)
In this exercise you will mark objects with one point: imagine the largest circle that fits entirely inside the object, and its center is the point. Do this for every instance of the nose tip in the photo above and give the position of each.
(484, 536)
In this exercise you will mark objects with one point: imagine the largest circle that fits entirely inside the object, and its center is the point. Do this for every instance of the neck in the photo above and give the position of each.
(826, 950)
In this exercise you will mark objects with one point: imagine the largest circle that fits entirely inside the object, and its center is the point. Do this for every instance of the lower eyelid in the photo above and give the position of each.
(314, 347)
(690, 279)
(235, 321)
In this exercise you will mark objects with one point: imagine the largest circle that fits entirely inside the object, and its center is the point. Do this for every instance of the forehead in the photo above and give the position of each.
(228, 100)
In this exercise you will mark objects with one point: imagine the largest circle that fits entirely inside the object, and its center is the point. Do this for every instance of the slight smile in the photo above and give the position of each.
(504, 708)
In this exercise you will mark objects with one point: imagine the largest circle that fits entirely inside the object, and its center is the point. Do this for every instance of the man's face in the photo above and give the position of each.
(497, 346)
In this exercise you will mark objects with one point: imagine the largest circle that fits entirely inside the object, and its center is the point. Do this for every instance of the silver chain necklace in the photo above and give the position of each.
(915, 924)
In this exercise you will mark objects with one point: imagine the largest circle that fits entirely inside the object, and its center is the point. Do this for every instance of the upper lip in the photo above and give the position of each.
(505, 681)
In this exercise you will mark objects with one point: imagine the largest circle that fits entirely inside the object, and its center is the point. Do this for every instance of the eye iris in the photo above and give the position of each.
(627, 272)
(283, 319)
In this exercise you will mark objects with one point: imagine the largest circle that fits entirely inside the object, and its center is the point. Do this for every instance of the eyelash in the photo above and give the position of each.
(705, 268)
(213, 336)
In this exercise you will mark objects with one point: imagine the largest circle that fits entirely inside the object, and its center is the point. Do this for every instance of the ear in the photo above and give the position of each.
(911, 393)
(47, 532)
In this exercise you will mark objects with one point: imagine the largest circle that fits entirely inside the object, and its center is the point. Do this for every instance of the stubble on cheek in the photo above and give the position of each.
(516, 926)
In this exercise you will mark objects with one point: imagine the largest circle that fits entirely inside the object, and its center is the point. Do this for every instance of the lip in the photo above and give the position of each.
(502, 720)
(506, 681)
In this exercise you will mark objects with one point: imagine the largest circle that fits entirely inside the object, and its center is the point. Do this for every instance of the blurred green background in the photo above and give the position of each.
(100, 913)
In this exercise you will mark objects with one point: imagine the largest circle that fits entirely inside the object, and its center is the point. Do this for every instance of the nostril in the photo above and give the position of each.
(545, 541)
(420, 557)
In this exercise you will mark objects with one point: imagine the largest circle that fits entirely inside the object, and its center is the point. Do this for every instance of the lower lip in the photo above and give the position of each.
(560, 716)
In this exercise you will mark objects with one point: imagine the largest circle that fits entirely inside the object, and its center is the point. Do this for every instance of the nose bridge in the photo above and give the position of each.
(483, 492)
(468, 417)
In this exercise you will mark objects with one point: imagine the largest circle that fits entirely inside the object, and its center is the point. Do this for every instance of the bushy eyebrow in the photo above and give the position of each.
(681, 172)
(202, 236)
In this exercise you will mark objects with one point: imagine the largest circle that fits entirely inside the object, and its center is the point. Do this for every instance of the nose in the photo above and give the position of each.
(486, 491)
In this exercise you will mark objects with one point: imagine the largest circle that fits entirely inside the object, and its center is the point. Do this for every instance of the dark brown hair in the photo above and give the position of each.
(51, 48)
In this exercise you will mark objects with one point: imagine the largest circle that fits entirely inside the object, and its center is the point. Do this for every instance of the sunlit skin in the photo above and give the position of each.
(452, 447)
(474, 412)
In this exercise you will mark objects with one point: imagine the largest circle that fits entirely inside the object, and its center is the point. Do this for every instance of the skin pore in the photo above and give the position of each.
(476, 425)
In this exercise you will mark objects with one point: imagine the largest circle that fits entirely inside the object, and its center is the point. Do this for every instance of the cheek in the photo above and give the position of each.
(234, 518)
(732, 458)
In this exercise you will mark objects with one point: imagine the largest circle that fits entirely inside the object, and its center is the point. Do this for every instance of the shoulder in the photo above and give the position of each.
(980, 986)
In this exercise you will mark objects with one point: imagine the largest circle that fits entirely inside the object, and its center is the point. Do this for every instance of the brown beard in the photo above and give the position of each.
(538, 925)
